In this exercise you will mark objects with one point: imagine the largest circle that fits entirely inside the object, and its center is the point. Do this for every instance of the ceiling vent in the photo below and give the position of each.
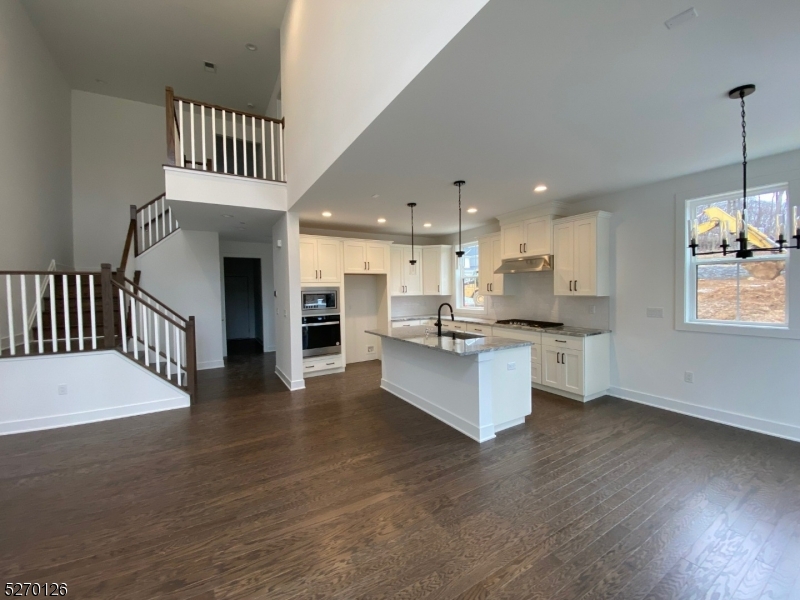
(210, 67)
(680, 19)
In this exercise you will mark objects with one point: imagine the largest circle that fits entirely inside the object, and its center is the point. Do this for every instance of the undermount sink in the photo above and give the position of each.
(460, 335)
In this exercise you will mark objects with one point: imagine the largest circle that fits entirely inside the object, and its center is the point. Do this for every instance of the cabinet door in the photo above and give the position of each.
(355, 257)
(497, 259)
(431, 271)
(309, 273)
(551, 367)
(536, 372)
(512, 236)
(413, 273)
(328, 261)
(564, 257)
(377, 258)
(572, 368)
(585, 260)
(485, 266)
(537, 237)
(396, 286)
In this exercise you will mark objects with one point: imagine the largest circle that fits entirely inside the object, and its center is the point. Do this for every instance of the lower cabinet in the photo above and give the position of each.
(322, 365)
(579, 367)
(563, 369)
(534, 338)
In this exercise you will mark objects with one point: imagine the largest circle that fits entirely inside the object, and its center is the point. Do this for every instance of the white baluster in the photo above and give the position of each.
(163, 216)
(213, 139)
(253, 132)
(53, 328)
(183, 132)
(145, 334)
(244, 144)
(80, 311)
(224, 143)
(122, 319)
(166, 347)
(135, 334)
(170, 221)
(24, 297)
(235, 151)
(12, 341)
(39, 334)
(65, 287)
(191, 119)
(149, 225)
(263, 152)
(272, 147)
(157, 335)
(280, 149)
(92, 314)
(178, 355)
(203, 128)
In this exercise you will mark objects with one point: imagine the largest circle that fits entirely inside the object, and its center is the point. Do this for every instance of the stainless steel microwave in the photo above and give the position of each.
(320, 301)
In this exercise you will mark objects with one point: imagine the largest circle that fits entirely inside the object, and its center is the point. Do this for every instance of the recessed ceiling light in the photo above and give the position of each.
(376, 195)
(251, 47)
(326, 214)
(540, 188)
(472, 211)
(210, 67)
(381, 220)
(228, 216)
(250, 105)
(427, 225)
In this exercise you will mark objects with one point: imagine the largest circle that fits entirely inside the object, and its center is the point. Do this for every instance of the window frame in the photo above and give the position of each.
(459, 287)
(686, 279)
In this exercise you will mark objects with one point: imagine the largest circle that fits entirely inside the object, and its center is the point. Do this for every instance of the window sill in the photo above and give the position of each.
(771, 331)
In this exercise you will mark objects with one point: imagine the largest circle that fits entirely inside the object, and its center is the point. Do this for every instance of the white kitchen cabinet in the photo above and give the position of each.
(530, 237)
(581, 247)
(364, 256)
(320, 260)
(489, 259)
(576, 367)
(406, 279)
(484, 330)
(437, 270)
(536, 347)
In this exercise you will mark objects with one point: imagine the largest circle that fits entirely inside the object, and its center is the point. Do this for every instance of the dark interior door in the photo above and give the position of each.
(239, 315)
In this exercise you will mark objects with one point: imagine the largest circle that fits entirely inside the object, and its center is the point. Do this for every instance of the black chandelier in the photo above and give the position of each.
(411, 205)
(744, 250)
(459, 183)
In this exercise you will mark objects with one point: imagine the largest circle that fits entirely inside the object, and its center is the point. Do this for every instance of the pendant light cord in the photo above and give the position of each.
(744, 163)
(459, 218)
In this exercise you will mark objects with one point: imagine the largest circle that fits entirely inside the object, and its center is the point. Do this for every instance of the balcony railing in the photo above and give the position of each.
(212, 138)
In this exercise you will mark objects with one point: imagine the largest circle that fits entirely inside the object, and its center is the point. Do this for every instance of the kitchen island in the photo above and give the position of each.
(477, 385)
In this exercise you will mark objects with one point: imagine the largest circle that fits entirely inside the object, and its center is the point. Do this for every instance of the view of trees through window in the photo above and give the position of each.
(733, 290)
(470, 292)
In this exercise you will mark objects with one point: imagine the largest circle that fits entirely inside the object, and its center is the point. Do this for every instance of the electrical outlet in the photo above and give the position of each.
(370, 349)
(688, 377)
(512, 366)
(62, 389)
(655, 313)
(592, 309)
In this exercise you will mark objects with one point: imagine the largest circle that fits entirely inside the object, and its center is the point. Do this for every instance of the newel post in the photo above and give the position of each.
(135, 225)
(191, 360)
(107, 296)
(170, 105)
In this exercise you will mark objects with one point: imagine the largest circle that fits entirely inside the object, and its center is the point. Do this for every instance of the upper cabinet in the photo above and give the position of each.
(489, 259)
(528, 237)
(581, 248)
(320, 260)
(364, 256)
(406, 279)
(437, 270)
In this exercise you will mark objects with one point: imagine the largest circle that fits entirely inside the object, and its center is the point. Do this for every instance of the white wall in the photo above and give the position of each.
(99, 386)
(751, 382)
(183, 271)
(263, 252)
(343, 62)
(35, 188)
(286, 270)
(118, 149)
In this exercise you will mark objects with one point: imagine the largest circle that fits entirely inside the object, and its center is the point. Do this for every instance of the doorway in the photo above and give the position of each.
(244, 317)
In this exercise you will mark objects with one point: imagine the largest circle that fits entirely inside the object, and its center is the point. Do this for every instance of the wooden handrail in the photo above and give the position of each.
(281, 121)
(149, 295)
(56, 273)
(150, 307)
(153, 201)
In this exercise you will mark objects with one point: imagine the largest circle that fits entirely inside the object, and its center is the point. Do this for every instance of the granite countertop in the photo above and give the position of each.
(419, 336)
(563, 330)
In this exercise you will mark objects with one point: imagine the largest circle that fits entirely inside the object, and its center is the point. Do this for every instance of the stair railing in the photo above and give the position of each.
(153, 223)
(208, 137)
(45, 288)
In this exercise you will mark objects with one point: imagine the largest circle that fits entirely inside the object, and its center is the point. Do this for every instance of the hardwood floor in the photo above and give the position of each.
(344, 491)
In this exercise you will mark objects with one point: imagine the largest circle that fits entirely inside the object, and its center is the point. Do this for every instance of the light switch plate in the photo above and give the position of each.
(512, 366)
(655, 313)
(62, 389)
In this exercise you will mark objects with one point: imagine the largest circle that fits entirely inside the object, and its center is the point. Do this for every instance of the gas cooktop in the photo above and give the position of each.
(531, 324)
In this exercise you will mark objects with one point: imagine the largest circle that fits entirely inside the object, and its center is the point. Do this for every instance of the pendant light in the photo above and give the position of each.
(411, 205)
(742, 233)
(459, 183)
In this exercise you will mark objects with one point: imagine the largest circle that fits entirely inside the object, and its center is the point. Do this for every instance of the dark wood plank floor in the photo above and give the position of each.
(344, 491)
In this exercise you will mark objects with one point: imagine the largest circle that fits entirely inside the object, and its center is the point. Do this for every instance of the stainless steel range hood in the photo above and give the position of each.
(526, 264)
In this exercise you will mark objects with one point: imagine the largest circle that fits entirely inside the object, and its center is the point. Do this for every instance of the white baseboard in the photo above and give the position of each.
(570, 395)
(210, 364)
(445, 416)
(781, 430)
(93, 416)
(270, 349)
(293, 386)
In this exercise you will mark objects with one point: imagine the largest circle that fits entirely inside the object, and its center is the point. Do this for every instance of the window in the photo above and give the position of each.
(726, 291)
(468, 289)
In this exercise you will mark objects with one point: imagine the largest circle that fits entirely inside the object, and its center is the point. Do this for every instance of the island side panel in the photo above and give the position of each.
(511, 387)
(444, 385)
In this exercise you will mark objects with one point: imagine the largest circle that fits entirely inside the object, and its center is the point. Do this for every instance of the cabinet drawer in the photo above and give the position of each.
(516, 334)
(536, 353)
(322, 363)
(406, 323)
(536, 372)
(562, 341)
(456, 326)
(480, 329)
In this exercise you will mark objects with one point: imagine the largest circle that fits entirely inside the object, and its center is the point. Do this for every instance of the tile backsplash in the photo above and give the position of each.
(410, 306)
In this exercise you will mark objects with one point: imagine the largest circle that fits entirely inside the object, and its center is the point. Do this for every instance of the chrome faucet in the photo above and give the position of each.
(439, 320)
